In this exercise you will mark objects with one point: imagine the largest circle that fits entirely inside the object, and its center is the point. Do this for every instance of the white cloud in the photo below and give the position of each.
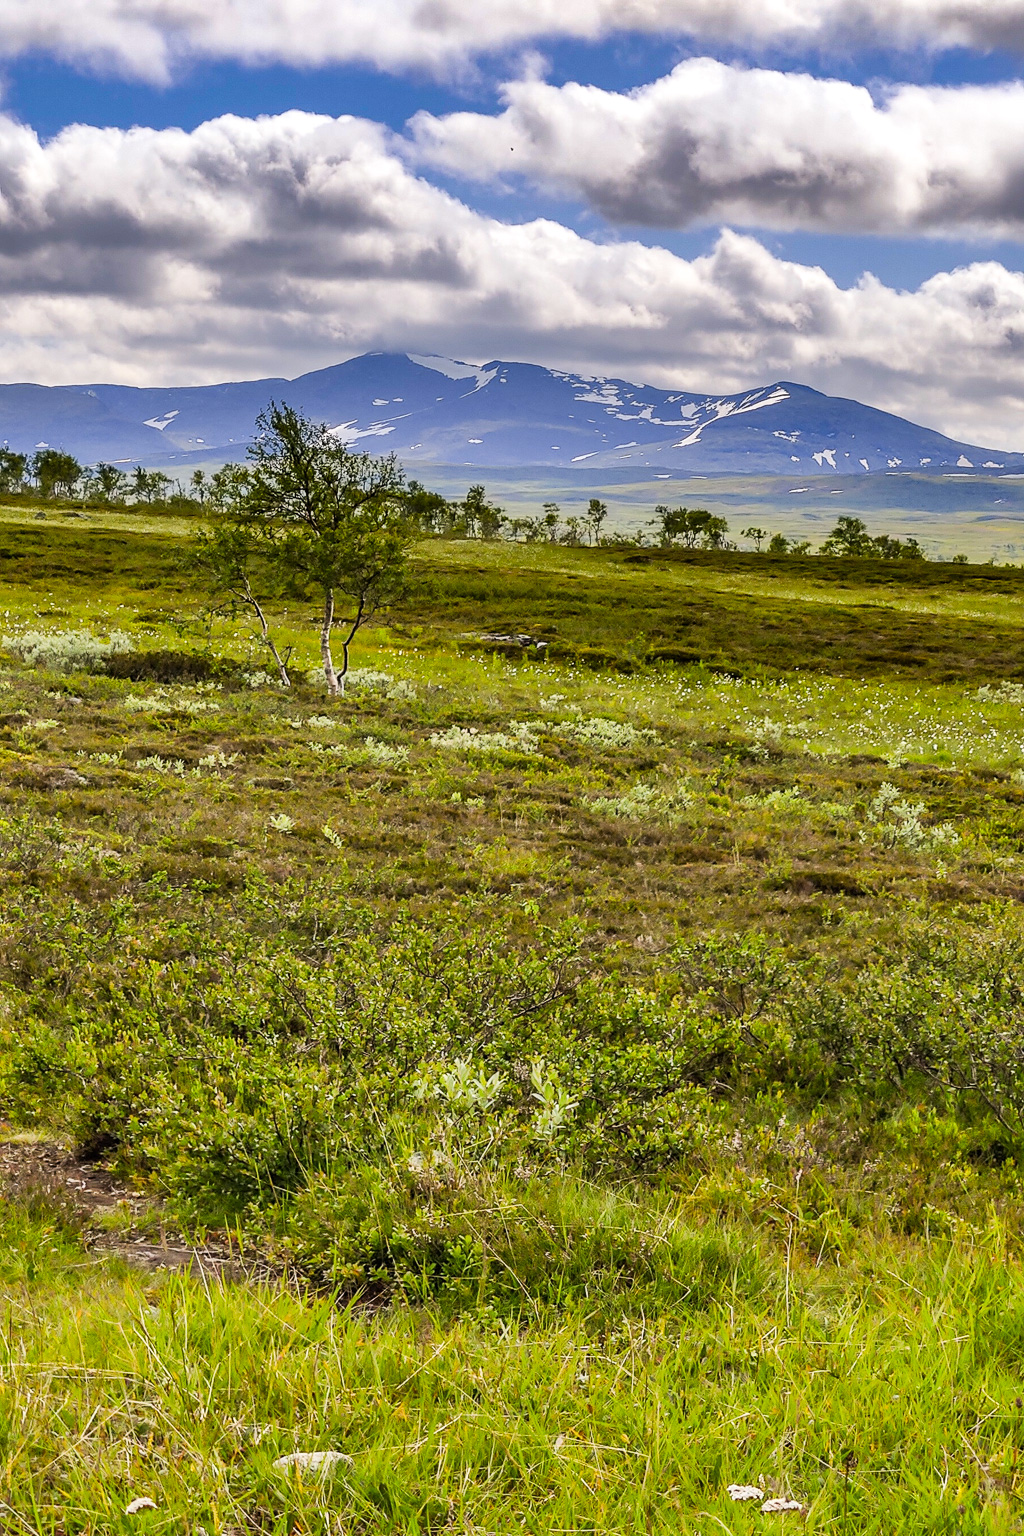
(147, 37)
(713, 143)
(248, 248)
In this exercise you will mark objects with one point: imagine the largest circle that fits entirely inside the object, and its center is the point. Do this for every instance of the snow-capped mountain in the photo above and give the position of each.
(433, 410)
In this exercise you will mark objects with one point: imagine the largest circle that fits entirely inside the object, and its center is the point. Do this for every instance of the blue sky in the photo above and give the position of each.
(704, 214)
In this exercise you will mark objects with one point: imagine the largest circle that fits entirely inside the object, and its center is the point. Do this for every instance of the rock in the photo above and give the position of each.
(312, 1461)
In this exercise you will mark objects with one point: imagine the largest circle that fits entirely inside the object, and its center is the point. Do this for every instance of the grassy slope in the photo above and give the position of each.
(758, 1252)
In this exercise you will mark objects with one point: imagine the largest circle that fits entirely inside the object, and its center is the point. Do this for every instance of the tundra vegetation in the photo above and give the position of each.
(594, 1036)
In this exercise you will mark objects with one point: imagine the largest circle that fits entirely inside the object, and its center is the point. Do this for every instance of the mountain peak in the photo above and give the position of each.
(439, 410)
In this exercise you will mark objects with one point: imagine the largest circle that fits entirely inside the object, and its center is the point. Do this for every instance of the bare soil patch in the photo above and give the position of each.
(86, 1191)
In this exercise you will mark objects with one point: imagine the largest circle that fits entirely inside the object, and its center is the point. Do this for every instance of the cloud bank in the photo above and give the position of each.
(713, 143)
(146, 38)
(250, 247)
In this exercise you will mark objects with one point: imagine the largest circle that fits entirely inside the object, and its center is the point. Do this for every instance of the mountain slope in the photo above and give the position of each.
(435, 411)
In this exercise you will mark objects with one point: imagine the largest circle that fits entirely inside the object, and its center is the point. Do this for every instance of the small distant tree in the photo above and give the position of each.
(199, 486)
(150, 485)
(429, 510)
(13, 469)
(481, 518)
(692, 527)
(597, 511)
(108, 483)
(850, 539)
(757, 534)
(573, 535)
(332, 520)
(885, 547)
(228, 487)
(142, 485)
(55, 472)
(778, 544)
(551, 521)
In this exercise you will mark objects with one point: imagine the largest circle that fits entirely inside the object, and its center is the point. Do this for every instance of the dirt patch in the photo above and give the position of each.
(88, 1191)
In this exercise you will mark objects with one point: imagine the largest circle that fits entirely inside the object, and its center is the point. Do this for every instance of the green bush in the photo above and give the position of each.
(171, 666)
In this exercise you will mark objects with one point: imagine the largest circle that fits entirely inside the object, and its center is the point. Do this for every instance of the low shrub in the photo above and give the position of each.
(70, 650)
(171, 666)
(514, 1243)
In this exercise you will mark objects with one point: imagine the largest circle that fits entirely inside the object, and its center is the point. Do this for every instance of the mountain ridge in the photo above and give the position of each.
(497, 414)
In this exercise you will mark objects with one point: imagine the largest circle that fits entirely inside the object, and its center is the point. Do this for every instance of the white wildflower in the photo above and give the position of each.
(782, 1507)
(137, 1505)
(743, 1493)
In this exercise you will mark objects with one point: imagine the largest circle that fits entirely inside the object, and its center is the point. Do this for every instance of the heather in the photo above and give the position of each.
(598, 1046)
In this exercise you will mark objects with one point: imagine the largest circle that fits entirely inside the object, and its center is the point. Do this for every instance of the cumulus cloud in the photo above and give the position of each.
(713, 143)
(147, 37)
(246, 248)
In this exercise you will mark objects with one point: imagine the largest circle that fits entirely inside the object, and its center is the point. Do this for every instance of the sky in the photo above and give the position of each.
(703, 194)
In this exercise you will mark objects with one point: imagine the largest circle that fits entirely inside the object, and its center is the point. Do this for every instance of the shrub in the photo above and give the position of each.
(170, 666)
(508, 1242)
(604, 734)
(458, 738)
(898, 822)
(70, 650)
(644, 802)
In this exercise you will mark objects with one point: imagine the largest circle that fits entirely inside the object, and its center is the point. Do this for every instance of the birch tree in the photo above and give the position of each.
(335, 522)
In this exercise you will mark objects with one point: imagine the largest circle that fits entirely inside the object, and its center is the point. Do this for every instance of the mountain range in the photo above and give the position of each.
(433, 410)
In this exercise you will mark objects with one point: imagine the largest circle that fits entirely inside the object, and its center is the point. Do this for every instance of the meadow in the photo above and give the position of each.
(581, 1067)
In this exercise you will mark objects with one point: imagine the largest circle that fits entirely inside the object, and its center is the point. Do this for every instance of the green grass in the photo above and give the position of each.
(613, 1061)
(882, 1395)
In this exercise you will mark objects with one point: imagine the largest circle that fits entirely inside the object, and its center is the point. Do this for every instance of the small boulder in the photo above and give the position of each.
(312, 1461)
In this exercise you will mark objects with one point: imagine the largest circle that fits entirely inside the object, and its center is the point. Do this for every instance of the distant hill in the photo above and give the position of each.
(432, 410)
